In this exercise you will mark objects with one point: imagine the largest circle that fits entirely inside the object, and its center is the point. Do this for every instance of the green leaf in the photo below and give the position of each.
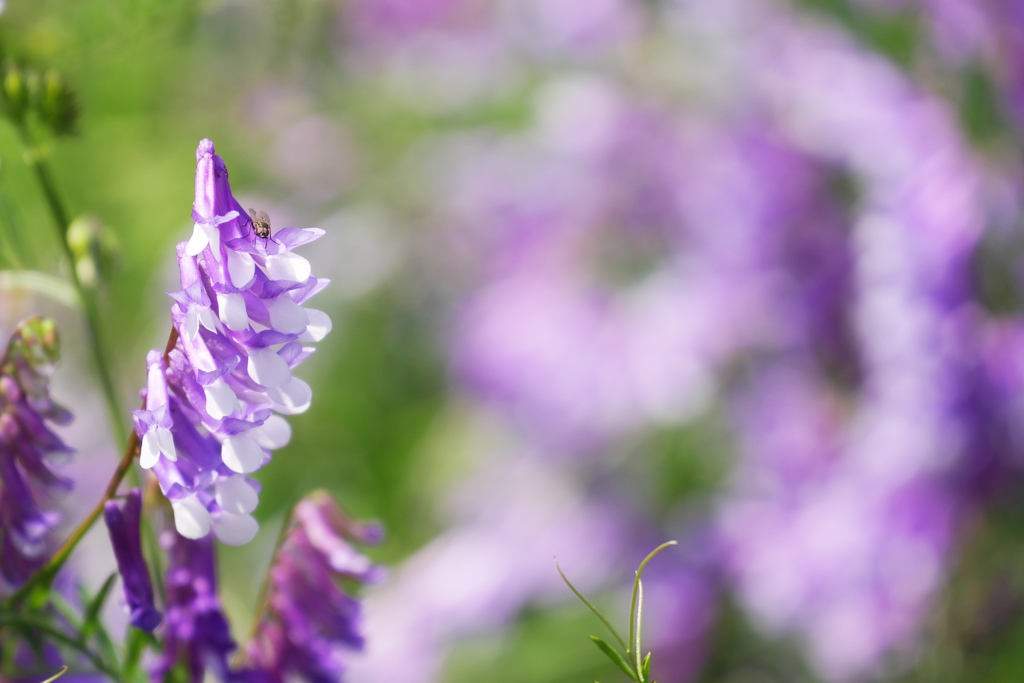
(634, 616)
(616, 658)
(639, 621)
(135, 643)
(590, 606)
(645, 668)
(66, 610)
(92, 610)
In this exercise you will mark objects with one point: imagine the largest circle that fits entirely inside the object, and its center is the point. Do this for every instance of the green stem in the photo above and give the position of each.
(633, 640)
(637, 658)
(37, 161)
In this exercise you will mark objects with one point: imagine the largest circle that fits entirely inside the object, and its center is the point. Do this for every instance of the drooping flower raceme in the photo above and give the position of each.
(209, 416)
(196, 635)
(123, 523)
(27, 448)
(309, 619)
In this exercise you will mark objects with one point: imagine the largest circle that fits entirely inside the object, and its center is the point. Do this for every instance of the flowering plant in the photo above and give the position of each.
(211, 415)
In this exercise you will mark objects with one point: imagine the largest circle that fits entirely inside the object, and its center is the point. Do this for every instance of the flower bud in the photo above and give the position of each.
(125, 537)
(15, 93)
(56, 104)
(95, 248)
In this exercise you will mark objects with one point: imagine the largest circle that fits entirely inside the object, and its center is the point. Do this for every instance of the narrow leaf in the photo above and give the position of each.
(616, 658)
(639, 621)
(645, 668)
(92, 610)
(636, 587)
(66, 610)
(135, 642)
(591, 607)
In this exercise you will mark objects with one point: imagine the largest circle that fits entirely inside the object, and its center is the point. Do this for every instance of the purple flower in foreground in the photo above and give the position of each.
(123, 524)
(26, 445)
(308, 617)
(209, 414)
(196, 635)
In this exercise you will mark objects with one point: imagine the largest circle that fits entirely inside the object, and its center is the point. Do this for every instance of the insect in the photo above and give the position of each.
(260, 223)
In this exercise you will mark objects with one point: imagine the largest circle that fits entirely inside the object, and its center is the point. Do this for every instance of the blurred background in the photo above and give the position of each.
(746, 274)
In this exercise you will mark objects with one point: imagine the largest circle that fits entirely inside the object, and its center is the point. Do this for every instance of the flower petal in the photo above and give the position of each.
(149, 453)
(241, 454)
(191, 518)
(207, 319)
(232, 311)
(268, 368)
(236, 495)
(288, 266)
(221, 401)
(197, 242)
(286, 315)
(291, 399)
(165, 442)
(191, 324)
(274, 433)
(318, 327)
(234, 529)
(241, 268)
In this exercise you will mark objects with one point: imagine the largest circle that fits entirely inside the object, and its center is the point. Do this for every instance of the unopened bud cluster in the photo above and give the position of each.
(45, 96)
(95, 248)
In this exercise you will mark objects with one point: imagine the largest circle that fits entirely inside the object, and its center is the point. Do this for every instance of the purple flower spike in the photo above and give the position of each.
(27, 444)
(196, 635)
(308, 617)
(209, 417)
(123, 524)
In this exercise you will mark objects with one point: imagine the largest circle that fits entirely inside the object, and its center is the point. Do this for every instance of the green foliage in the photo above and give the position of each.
(630, 661)
(616, 658)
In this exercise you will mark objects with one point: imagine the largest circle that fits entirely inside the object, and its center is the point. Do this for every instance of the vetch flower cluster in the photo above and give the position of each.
(196, 636)
(209, 416)
(28, 447)
(308, 618)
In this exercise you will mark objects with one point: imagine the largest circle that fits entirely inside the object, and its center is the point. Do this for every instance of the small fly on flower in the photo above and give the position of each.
(260, 223)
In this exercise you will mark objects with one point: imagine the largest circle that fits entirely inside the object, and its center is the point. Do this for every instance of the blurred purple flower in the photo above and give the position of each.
(627, 259)
(196, 636)
(28, 447)
(124, 526)
(308, 619)
(208, 419)
(847, 558)
(843, 510)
